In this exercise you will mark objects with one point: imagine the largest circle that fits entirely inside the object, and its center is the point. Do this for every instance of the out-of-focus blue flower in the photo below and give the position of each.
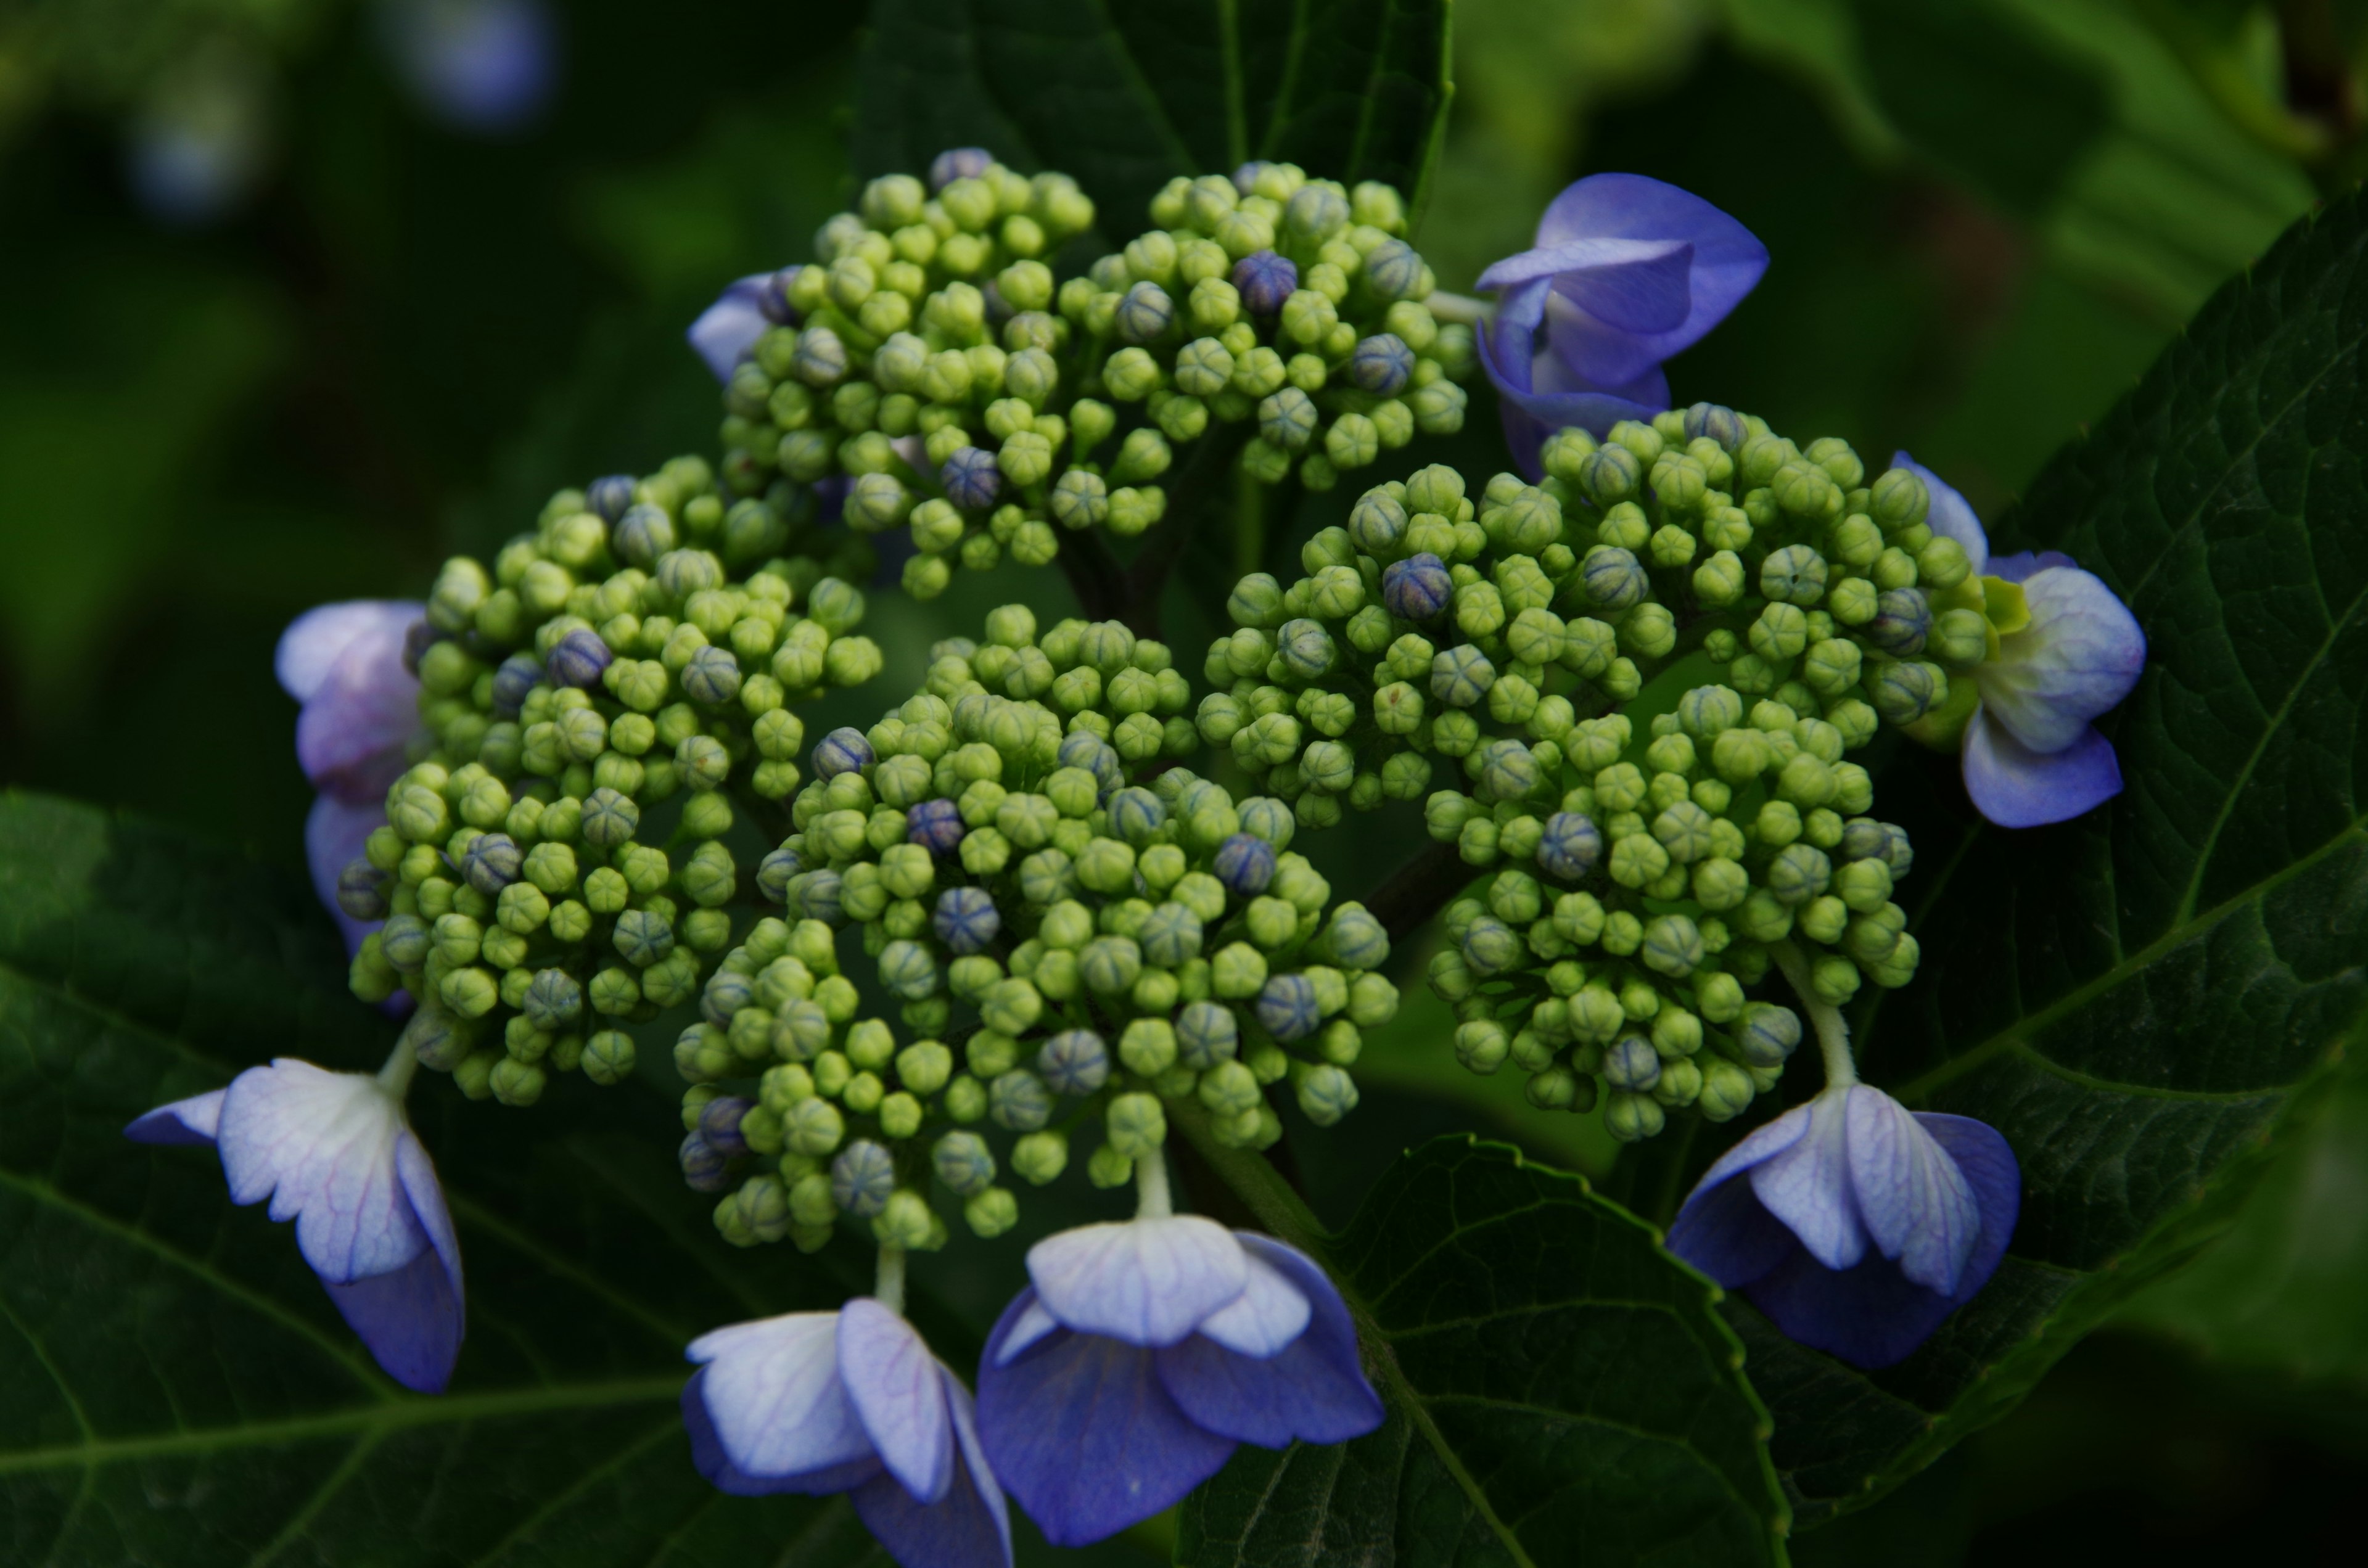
(335, 1153)
(345, 663)
(1142, 1352)
(2064, 650)
(728, 329)
(486, 67)
(850, 1401)
(1856, 1225)
(1626, 272)
(199, 145)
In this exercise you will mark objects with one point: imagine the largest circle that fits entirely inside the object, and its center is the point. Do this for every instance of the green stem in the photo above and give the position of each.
(888, 1287)
(1250, 525)
(1833, 1029)
(1258, 1185)
(395, 1076)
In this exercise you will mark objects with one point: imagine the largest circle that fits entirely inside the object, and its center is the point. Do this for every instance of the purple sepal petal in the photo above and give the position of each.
(2016, 787)
(970, 1528)
(411, 1319)
(2024, 563)
(2082, 654)
(1145, 1281)
(772, 1402)
(192, 1121)
(1951, 515)
(335, 834)
(351, 734)
(1807, 1184)
(1265, 1317)
(1314, 1390)
(1634, 286)
(729, 329)
(1914, 1201)
(1725, 1231)
(1728, 262)
(309, 648)
(1082, 1432)
(894, 1384)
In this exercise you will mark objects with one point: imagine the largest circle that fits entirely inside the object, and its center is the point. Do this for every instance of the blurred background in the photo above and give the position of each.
(299, 296)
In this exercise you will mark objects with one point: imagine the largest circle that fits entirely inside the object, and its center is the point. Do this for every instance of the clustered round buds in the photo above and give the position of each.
(598, 710)
(928, 372)
(1100, 932)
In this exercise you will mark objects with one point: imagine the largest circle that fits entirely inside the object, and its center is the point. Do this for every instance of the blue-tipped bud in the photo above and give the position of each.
(578, 660)
(970, 480)
(1508, 770)
(1381, 365)
(815, 895)
(643, 534)
(958, 162)
(1377, 522)
(1306, 648)
(773, 297)
(609, 496)
(1082, 748)
(361, 891)
(966, 920)
(703, 1164)
(844, 750)
(1019, 1100)
(1206, 1035)
(1136, 816)
(1615, 578)
(1144, 313)
(1265, 280)
(935, 826)
(963, 1162)
(1903, 619)
(908, 972)
(1904, 692)
(1631, 1062)
(861, 1177)
(712, 677)
(1288, 1008)
(1170, 935)
(1721, 424)
(1074, 1062)
(610, 818)
(773, 874)
(491, 862)
(719, 1124)
(517, 676)
(1394, 269)
(1570, 847)
(1491, 946)
(1418, 587)
(1768, 1034)
(1245, 863)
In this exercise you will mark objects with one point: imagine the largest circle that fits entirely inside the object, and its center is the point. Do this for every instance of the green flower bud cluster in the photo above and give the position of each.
(962, 392)
(800, 1112)
(598, 710)
(1097, 945)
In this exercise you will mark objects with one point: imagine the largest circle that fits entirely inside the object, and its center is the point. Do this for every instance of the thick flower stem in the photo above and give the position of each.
(1252, 1177)
(888, 1284)
(401, 1063)
(1418, 890)
(1152, 1200)
(1833, 1029)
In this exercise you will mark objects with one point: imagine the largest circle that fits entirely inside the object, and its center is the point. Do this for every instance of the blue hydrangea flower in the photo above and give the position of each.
(2067, 650)
(1142, 1352)
(1265, 281)
(966, 920)
(935, 826)
(1856, 1225)
(1570, 846)
(957, 163)
(514, 680)
(850, 1401)
(486, 67)
(727, 331)
(345, 663)
(335, 1153)
(1626, 272)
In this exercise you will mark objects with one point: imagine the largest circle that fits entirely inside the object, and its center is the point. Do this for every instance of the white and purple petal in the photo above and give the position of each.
(1081, 1430)
(1313, 1388)
(193, 1121)
(322, 1147)
(2081, 654)
(360, 709)
(898, 1393)
(1268, 1315)
(1145, 1281)
(1914, 1201)
(767, 1412)
(728, 329)
(1806, 1183)
(970, 1528)
(2016, 787)
(1728, 262)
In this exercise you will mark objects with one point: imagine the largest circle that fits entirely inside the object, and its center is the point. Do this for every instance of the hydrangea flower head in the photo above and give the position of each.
(1626, 272)
(1857, 1225)
(850, 1401)
(2066, 651)
(335, 1153)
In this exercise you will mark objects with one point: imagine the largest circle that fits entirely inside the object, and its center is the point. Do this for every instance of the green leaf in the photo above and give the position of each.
(1554, 1377)
(175, 1386)
(2143, 1000)
(1126, 93)
(2282, 1290)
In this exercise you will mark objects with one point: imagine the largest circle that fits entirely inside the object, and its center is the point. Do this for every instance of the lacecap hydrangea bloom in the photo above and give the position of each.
(928, 359)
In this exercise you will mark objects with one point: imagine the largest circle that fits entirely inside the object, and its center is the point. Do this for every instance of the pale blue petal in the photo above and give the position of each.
(1033, 1325)
(1265, 1317)
(715, 1463)
(192, 1121)
(1728, 261)
(1807, 1186)
(1145, 1281)
(2024, 563)
(322, 1146)
(425, 1193)
(351, 734)
(1725, 1231)
(411, 1319)
(779, 1414)
(1987, 1161)
(1915, 1202)
(1633, 285)
(2079, 656)
(1314, 1390)
(1951, 516)
(893, 1382)
(2016, 787)
(313, 640)
(1081, 1431)
(729, 329)
(970, 1528)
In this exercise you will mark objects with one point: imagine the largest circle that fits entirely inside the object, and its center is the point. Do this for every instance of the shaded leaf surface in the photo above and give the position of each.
(2140, 1000)
(1561, 1391)
(175, 1387)
(1126, 93)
